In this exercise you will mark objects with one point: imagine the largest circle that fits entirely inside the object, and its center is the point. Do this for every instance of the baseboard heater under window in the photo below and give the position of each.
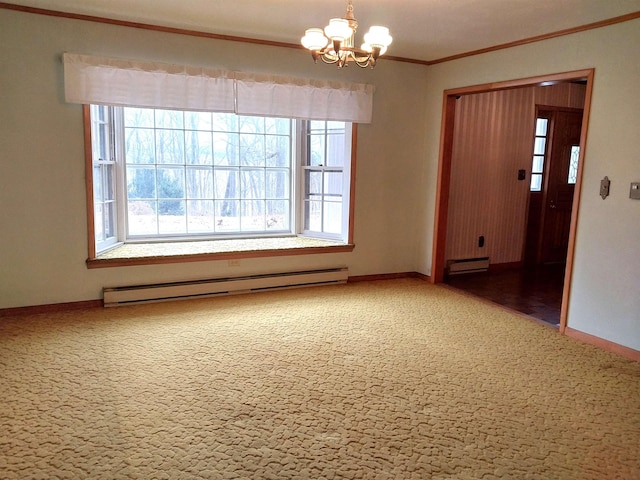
(467, 265)
(222, 286)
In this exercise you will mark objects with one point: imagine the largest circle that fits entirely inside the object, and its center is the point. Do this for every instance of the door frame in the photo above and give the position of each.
(444, 169)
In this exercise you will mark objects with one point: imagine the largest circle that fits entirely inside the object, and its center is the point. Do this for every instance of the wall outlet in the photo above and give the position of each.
(233, 263)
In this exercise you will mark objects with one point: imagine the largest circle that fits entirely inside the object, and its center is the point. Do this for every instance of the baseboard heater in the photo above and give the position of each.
(467, 265)
(222, 286)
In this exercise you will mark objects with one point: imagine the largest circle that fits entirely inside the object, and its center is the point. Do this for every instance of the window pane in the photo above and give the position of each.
(335, 150)
(317, 126)
(278, 150)
(170, 183)
(141, 217)
(252, 184)
(138, 117)
(313, 215)
(277, 184)
(278, 126)
(98, 222)
(170, 146)
(172, 216)
(104, 150)
(198, 121)
(538, 164)
(169, 119)
(109, 220)
(336, 127)
(252, 150)
(226, 149)
(333, 183)
(316, 150)
(200, 183)
(541, 127)
(573, 164)
(538, 148)
(536, 182)
(141, 182)
(199, 148)
(277, 215)
(253, 218)
(226, 184)
(97, 184)
(313, 182)
(251, 124)
(200, 216)
(227, 217)
(332, 217)
(140, 145)
(225, 122)
(109, 181)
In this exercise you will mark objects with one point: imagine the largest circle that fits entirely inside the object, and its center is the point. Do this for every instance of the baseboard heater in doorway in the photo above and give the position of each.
(222, 286)
(467, 265)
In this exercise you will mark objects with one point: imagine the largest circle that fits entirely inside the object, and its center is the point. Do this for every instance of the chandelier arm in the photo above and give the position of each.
(363, 63)
(328, 60)
(360, 55)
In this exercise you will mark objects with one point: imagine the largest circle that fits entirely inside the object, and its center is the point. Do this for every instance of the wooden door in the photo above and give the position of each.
(559, 184)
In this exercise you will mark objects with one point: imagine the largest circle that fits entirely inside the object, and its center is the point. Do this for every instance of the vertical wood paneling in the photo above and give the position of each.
(561, 95)
(492, 140)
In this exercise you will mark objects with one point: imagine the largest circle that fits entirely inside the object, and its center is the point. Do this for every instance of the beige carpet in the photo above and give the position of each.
(380, 380)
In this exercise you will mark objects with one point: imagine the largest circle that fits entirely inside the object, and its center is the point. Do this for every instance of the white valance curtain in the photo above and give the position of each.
(109, 81)
(273, 95)
(112, 81)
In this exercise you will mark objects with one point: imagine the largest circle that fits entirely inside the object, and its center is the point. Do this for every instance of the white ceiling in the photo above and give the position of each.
(421, 29)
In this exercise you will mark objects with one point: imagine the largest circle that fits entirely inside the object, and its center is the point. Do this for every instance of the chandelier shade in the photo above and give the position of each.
(335, 44)
(314, 39)
(338, 29)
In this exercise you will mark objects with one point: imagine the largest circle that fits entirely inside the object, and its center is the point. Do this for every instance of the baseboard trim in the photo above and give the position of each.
(49, 308)
(607, 345)
(58, 307)
(503, 267)
(387, 276)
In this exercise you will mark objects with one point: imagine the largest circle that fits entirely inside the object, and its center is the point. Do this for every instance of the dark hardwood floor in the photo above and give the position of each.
(536, 292)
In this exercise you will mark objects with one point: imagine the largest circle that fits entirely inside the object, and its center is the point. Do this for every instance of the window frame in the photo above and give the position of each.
(343, 245)
(542, 174)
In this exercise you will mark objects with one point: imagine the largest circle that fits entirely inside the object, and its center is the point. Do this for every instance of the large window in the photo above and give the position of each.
(161, 175)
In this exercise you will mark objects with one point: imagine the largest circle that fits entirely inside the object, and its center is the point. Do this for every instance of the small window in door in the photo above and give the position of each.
(573, 164)
(539, 152)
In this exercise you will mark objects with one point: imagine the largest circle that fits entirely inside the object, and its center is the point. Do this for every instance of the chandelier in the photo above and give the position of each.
(335, 44)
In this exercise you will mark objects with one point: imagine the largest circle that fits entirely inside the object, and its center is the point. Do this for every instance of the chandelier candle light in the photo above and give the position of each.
(336, 43)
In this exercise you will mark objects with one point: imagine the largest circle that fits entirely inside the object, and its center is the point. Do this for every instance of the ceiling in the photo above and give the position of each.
(424, 30)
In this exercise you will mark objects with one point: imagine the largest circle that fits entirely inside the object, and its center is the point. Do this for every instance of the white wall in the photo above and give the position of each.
(605, 294)
(43, 233)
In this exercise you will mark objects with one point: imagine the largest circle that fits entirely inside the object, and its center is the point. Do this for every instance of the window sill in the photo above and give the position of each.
(200, 251)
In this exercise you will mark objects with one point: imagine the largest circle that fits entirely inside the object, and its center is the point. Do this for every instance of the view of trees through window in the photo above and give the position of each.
(194, 172)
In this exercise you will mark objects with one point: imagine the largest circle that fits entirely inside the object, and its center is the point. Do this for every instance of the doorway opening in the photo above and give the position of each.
(518, 240)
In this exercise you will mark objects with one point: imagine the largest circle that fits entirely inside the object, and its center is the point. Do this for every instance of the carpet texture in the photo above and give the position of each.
(393, 379)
